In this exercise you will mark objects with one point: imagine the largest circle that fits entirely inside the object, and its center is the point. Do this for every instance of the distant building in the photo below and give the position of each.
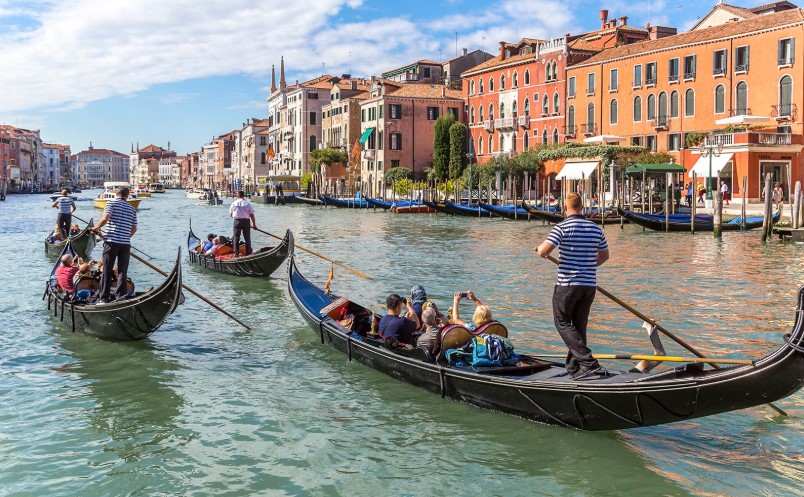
(250, 154)
(97, 165)
(453, 68)
(151, 164)
(421, 71)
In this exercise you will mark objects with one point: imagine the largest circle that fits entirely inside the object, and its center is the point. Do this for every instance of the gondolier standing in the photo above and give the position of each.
(242, 212)
(582, 247)
(122, 219)
(66, 207)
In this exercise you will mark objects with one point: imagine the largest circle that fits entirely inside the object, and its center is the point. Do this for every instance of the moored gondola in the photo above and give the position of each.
(133, 318)
(683, 222)
(262, 263)
(514, 212)
(541, 391)
(464, 209)
(82, 244)
(554, 216)
(437, 206)
(358, 202)
(310, 201)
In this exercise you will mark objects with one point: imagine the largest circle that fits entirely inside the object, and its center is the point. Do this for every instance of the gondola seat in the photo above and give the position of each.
(492, 328)
(451, 337)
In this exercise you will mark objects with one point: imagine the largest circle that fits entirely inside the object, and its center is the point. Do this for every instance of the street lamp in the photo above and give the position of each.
(709, 149)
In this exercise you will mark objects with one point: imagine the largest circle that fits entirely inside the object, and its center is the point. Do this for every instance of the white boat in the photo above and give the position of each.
(110, 193)
(156, 188)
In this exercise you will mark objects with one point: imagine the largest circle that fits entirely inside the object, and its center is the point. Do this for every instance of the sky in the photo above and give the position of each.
(119, 72)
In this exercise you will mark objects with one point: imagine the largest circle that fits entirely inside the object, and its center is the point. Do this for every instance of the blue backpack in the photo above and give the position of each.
(484, 351)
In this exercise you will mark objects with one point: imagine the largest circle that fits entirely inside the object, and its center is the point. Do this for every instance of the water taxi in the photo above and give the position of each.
(279, 189)
(156, 188)
(142, 191)
(110, 193)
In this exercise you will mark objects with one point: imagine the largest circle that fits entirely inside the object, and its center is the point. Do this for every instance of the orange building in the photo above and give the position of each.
(667, 94)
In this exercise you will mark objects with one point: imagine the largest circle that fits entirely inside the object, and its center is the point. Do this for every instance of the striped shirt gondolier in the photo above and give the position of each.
(122, 217)
(65, 204)
(578, 240)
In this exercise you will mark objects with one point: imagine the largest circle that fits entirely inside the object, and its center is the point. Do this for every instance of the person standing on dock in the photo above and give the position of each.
(582, 247)
(122, 219)
(242, 212)
(66, 207)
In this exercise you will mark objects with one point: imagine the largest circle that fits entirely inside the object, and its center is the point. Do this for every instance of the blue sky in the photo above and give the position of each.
(113, 72)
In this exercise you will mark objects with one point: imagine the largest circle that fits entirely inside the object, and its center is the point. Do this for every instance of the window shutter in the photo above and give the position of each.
(791, 55)
(694, 59)
(714, 61)
(779, 51)
(725, 60)
(747, 53)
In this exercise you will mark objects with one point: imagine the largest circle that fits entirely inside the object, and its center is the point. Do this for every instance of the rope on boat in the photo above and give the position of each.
(788, 339)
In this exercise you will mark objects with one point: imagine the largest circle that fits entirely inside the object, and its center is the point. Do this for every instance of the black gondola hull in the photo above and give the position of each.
(83, 244)
(660, 225)
(258, 264)
(628, 400)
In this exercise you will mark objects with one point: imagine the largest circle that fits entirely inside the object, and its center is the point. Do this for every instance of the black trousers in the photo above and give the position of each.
(242, 226)
(571, 306)
(122, 254)
(64, 221)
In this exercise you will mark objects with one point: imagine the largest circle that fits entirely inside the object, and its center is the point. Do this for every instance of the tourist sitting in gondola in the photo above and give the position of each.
(430, 323)
(209, 244)
(418, 299)
(55, 236)
(397, 330)
(213, 249)
(74, 230)
(66, 272)
(481, 316)
(83, 291)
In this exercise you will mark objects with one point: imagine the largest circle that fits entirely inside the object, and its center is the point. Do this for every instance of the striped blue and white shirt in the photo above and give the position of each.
(65, 205)
(122, 218)
(578, 241)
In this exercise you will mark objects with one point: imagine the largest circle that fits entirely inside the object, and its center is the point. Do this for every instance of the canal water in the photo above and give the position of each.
(206, 407)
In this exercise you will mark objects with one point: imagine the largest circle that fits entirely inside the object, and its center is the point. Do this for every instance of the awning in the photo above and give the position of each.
(604, 139)
(701, 168)
(742, 119)
(577, 170)
(366, 135)
(654, 169)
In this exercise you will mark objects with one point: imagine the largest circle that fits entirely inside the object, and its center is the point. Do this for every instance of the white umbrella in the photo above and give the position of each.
(741, 119)
(604, 139)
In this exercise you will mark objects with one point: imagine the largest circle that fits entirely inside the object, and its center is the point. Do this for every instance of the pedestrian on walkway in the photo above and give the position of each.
(122, 219)
(724, 189)
(242, 212)
(778, 196)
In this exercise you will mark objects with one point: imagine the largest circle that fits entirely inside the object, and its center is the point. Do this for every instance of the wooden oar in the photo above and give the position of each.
(665, 358)
(359, 273)
(664, 330)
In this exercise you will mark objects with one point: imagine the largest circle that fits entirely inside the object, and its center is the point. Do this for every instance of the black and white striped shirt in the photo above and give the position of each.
(578, 241)
(65, 205)
(122, 218)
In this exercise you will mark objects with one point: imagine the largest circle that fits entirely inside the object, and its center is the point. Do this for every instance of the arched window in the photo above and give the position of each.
(590, 118)
(662, 111)
(481, 86)
(262, 158)
(502, 143)
(720, 99)
(481, 115)
(472, 87)
(555, 70)
(491, 114)
(556, 103)
(491, 144)
(480, 145)
(491, 85)
(548, 72)
(513, 142)
(613, 112)
(637, 109)
(651, 107)
(513, 109)
(502, 82)
(571, 117)
(742, 98)
(312, 143)
(545, 106)
(545, 136)
(472, 115)
(526, 107)
(527, 77)
(525, 140)
(689, 103)
(502, 110)
(674, 104)
(555, 135)
(785, 96)
(515, 80)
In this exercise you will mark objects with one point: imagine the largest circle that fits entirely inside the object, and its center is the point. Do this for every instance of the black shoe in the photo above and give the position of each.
(586, 373)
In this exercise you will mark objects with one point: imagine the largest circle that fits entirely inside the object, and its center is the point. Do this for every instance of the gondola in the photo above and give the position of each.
(437, 206)
(349, 203)
(378, 203)
(310, 201)
(464, 209)
(133, 318)
(682, 222)
(554, 216)
(261, 263)
(210, 201)
(515, 212)
(541, 391)
(412, 208)
(82, 244)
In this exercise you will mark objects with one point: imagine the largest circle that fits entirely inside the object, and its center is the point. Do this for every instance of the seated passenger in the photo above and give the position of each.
(418, 298)
(74, 230)
(212, 251)
(209, 244)
(55, 236)
(481, 316)
(84, 271)
(431, 328)
(66, 272)
(396, 329)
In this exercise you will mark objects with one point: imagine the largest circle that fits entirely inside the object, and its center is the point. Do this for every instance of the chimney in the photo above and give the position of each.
(624, 21)
(604, 15)
(463, 52)
(273, 79)
(502, 50)
(354, 85)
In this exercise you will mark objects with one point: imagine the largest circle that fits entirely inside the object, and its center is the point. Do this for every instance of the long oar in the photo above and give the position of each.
(664, 330)
(132, 248)
(359, 273)
(665, 358)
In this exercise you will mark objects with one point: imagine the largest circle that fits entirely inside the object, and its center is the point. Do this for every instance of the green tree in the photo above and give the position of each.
(395, 174)
(458, 148)
(305, 181)
(327, 156)
(441, 146)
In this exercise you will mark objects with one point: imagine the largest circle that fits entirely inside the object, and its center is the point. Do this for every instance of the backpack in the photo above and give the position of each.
(484, 351)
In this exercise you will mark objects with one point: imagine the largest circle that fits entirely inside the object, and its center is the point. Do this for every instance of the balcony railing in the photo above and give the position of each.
(717, 71)
(724, 140)
(784, 112)
(673, 78)
(660, 122)
(589, 128)
(524, 121)
(689, 75)
(740, 111)
(570, 130)
(505, 123)
(488, 125)
(775, 138)
(650, 81)
(750, 138)
(741, 68)
(785, 61)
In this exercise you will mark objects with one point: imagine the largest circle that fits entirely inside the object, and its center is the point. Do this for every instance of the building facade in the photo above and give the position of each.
(421, 71)
(97, 165)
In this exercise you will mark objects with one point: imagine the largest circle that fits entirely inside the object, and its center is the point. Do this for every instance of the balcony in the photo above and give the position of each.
(719, 71)
(784, 112)
(589, 129)
(661, 123)
(524, 121)
(785, 61)
(569, 131)
(505, 123)
(689, 75)
(673, 78)
(752, 138)
(650, 81)
(740, 111)
(488, 125)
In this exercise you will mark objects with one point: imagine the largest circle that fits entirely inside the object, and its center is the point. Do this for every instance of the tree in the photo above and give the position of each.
(441, 146)
(327, 156)
(398, 173)
(458, 148)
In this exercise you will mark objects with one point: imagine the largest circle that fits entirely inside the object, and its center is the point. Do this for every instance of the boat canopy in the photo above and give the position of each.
(654, 169)
(577, 170)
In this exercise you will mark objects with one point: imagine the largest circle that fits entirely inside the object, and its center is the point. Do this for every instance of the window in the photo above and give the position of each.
(555, 135)
(426, 72)
(590, 84)
(513, 143)
(571, 87)
(491, 85)
(481, 86)
(742, 99)
(491, 144)
(379, 140)
(262, 140)
(491, 112)
(636, 141)
(785, 51)
(613, 80)
(432, 113)
(650, 74)
(637, 109)
(674, 104)
(556, 104)
(312, 143)
(590, 118)
(571, 117)
(472, 87)
(481, 115)
(651, 107)
(544, 136)
(395, 111)
(472, 115)
(526, 107)
(502, 143)
(480, 145)
(638, 76)
(362, 115)
(548, 73)
(689, 67)
(312, 96)
(513, 109)
(379, 108)
(527, 77)
(555, 71)
(741, 59)
(673, 141)
(662, 110)
(720, 99)
(545, 106)
(689, 103)
(672, 70)
(785, 96)
(525, 141)
(650, 142)
(395, 141)
(515, 80)
(312, 117)
(395, 163)
(502, 82)
(720, 62)
(613, 112)
(502, 110)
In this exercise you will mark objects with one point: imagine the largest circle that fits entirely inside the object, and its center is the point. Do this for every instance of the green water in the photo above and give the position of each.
(205, 407)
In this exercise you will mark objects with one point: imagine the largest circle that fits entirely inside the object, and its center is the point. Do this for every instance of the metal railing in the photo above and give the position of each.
(740, 111)
(589, 128)
(660, 122)
(783, 110)
(785, 61)
(504, 123)
(570, 130)
(488, 125)
(689, 75)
